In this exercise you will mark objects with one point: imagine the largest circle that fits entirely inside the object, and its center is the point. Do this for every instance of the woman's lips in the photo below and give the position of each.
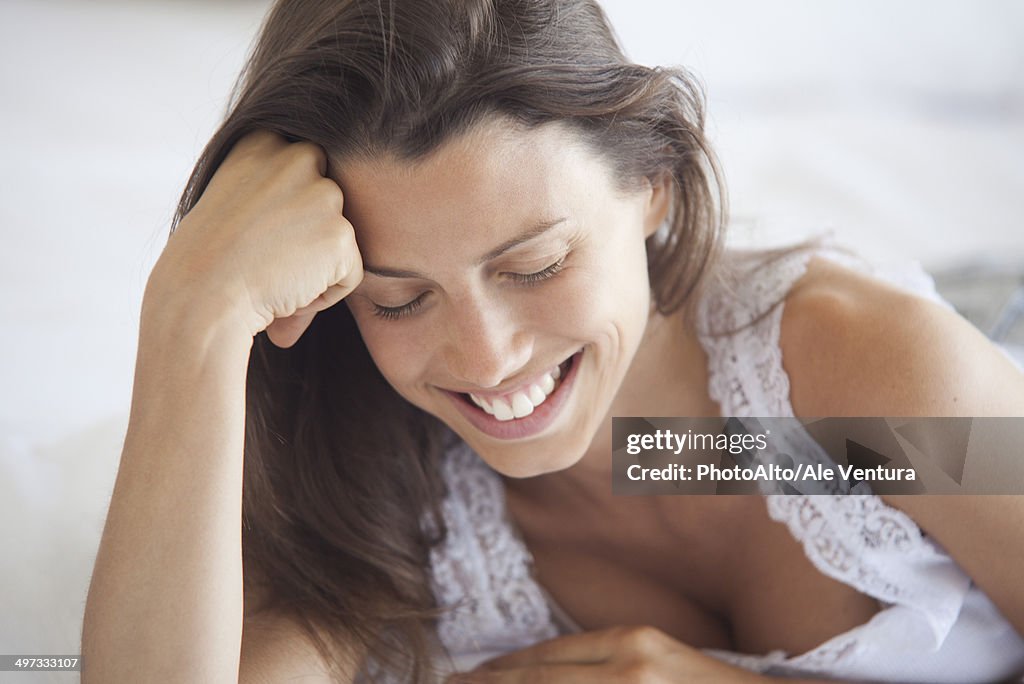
(542, 415)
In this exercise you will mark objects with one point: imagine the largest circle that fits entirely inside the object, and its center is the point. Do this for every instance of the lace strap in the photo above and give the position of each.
(740, 318)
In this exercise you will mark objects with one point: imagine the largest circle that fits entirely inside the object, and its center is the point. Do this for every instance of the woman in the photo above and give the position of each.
(523, 229)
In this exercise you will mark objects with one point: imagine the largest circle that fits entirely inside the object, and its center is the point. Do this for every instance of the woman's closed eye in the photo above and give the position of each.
(537, 276)
(392, 313)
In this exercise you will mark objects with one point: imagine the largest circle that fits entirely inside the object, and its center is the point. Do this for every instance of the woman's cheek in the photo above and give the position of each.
(394, 351)
(585, 306)
(606, 296)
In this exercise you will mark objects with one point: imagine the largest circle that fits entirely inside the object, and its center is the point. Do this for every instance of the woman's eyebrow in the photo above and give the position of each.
(527, 235)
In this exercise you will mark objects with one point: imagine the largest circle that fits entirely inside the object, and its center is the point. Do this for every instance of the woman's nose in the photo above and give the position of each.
(486, 344)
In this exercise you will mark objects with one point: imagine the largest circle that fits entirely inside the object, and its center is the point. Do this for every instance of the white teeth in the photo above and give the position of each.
(557, 373)
(502, 411)
(547, 384)
(521, 405)
(482, 403)
(523, 402)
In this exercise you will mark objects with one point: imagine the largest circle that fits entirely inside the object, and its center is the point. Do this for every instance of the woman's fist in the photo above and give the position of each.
(266, 243)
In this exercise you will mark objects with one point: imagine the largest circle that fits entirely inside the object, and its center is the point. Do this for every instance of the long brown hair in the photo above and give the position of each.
(341, 479)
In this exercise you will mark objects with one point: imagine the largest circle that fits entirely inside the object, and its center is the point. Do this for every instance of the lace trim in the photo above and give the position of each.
(878, 550)
(482, 572)
(744, 374)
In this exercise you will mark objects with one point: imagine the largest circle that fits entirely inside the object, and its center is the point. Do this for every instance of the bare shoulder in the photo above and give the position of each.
(276, 649)
(854, 345)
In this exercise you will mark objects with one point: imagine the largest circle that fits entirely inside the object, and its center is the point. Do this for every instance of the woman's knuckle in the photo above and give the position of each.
(345, 235)
(642, 638)
(331, 194)
(348, 256)
(307, 154)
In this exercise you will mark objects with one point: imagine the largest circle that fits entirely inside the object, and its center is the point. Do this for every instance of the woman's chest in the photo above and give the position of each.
(713, 572)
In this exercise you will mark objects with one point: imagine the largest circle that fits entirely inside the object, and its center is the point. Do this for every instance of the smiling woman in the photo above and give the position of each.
(434, 247)
(476, 300)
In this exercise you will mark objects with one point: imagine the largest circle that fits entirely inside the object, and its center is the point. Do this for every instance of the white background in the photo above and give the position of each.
(901, 125)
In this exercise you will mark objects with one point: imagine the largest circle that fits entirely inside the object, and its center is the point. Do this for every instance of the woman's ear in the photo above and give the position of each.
(659, 202)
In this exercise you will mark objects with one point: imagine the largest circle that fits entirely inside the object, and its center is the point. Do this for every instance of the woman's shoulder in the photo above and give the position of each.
(853, 344)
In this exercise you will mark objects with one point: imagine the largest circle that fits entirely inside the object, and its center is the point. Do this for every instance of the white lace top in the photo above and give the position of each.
(935, 625)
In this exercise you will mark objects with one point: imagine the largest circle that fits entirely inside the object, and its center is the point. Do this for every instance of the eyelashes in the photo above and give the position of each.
(543, 274)
(393, 313)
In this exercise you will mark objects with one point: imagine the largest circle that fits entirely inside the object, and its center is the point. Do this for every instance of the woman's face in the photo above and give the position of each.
(506, 287)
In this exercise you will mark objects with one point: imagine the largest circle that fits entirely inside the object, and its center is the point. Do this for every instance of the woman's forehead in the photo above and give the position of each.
(481, 186)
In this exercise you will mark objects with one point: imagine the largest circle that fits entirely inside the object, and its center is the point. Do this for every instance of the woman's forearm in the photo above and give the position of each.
(165, 601)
